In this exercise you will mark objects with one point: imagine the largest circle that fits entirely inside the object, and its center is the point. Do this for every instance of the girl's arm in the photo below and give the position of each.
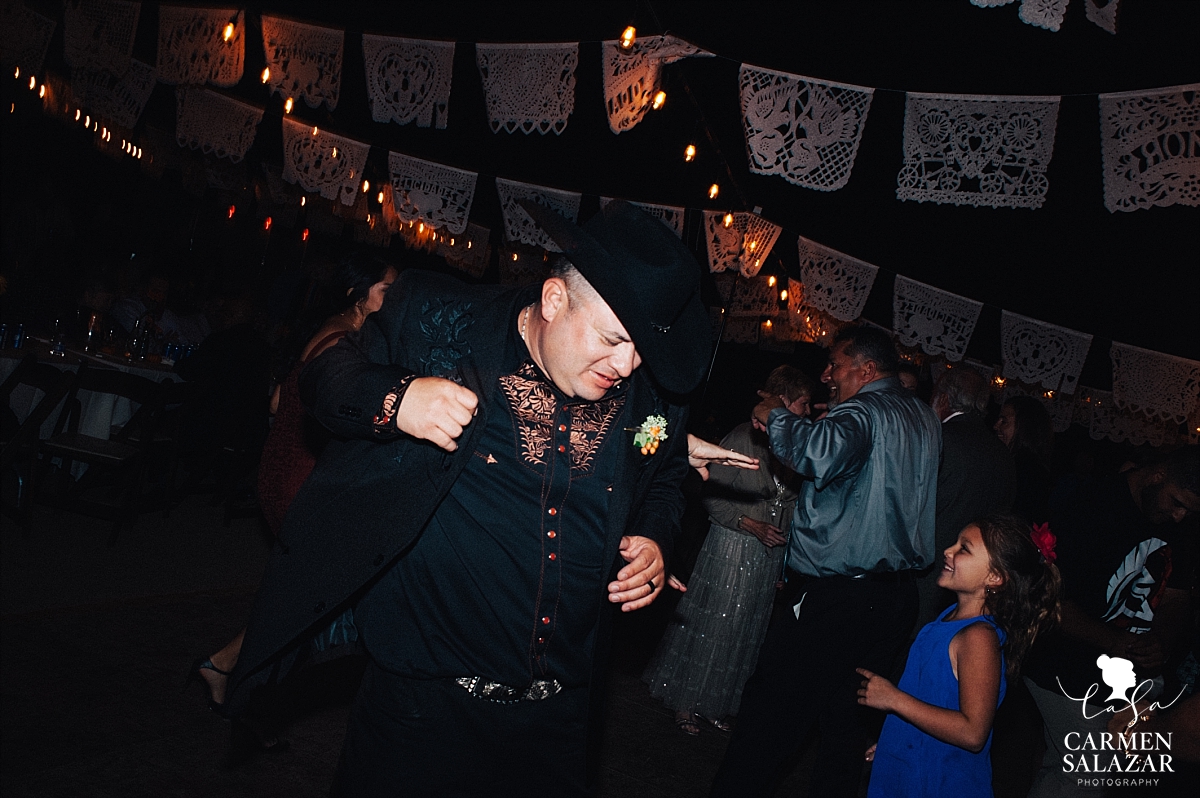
(975, 655)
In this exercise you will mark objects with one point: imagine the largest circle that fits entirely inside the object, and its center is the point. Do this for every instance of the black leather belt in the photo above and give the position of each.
(887, 577)
(503, 694)
(883, 576)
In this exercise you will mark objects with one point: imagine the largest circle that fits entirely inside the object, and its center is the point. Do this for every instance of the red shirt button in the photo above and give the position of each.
(551, 534)
(552, 511)
(553, 556)
(562, 448)
(545, 619)
(541, 640)
(562, 427)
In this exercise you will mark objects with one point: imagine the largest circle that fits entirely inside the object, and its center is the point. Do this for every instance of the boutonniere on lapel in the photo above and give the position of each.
(648, 436)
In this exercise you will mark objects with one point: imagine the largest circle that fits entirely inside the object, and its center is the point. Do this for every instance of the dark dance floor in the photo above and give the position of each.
(96, 642)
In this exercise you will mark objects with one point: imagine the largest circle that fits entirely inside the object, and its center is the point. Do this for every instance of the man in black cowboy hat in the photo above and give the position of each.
(484, 501)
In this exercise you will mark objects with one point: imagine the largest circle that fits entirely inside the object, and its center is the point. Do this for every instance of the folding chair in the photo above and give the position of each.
(18, 452)
(116, 466)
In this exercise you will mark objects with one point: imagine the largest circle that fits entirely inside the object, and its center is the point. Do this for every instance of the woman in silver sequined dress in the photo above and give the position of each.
(709, 649)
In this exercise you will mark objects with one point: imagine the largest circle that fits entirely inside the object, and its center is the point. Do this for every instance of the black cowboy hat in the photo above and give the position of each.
(649, 279)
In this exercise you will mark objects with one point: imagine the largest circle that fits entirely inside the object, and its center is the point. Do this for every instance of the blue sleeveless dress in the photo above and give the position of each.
(908, 762)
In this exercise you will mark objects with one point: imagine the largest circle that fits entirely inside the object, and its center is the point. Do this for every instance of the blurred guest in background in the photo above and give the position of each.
(1127, 564)
(909, 375)
(976, 476)
(1024, 426)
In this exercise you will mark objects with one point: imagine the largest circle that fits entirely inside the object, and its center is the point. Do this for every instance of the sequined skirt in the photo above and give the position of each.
(711, 645)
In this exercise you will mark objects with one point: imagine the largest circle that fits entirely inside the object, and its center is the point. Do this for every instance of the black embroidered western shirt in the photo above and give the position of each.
(506, 580)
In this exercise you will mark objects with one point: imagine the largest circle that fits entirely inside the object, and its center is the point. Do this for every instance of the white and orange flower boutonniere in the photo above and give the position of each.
(652, 431)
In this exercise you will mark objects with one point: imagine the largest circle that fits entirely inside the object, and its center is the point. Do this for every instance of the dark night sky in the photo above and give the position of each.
(1132, 277)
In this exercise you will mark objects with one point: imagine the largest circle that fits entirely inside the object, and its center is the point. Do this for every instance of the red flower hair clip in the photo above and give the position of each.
(1044, 539)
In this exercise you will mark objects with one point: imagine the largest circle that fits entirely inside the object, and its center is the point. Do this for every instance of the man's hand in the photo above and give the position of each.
(1146, 651)
(436, 410)
(639, 583)
(768, 534)
(763, 409)
(702, 454)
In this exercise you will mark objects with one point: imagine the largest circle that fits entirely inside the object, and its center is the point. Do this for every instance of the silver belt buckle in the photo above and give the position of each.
(503, 694)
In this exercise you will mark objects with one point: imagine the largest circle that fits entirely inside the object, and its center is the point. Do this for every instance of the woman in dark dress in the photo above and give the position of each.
(356, 290)
(1024, 426)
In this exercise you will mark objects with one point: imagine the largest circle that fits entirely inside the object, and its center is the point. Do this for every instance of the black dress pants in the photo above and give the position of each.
(806, 678)
(412, 737)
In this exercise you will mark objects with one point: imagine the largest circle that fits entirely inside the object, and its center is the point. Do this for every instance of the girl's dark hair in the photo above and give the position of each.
(1026, 603)
(1035, 430)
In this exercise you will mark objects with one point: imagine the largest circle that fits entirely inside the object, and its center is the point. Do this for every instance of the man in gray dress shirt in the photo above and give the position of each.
(864, 523)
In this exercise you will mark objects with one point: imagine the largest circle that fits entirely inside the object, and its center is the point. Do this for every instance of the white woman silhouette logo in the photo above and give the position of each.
(1117, 673)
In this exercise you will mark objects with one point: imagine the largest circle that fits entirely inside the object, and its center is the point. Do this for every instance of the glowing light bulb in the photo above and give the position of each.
(266, 74)
(42, 91)
(689, 153)
(287, 105)
(227, 34)
(368, 218)
(451, 242)
(304, 235)
(334, 154)
(232, 210)
(315, 130)
(379, 198)
(303, 200)
(469, 244)
(767, 324)
(514, 256)
(660, 98)
(267, 223)
(753, 246)
(421, 227)
(783, 295)
(628, 36)
(728, 220)
(77, 112)
(32, 83)
(87, 121)
(771, 281)
(16, 73)
(366, 186)
(713, 191)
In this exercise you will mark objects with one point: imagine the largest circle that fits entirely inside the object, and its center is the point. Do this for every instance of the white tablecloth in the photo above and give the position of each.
(99, 412)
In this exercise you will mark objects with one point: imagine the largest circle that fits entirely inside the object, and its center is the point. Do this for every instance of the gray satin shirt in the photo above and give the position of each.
(873, 463)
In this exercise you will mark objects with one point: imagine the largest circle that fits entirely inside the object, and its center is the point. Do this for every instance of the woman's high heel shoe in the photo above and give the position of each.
(194, 675)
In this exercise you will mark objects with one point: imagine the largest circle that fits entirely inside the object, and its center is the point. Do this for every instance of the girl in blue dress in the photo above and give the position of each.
(938, 733)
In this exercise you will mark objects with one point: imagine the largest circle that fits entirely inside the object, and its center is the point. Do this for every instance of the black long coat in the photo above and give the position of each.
(370, 496)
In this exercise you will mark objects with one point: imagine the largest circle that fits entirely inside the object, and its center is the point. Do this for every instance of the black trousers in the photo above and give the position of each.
(425, 738)
(805, 677)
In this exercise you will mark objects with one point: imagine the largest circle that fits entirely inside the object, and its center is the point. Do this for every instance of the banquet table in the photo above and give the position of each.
(99, 412)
